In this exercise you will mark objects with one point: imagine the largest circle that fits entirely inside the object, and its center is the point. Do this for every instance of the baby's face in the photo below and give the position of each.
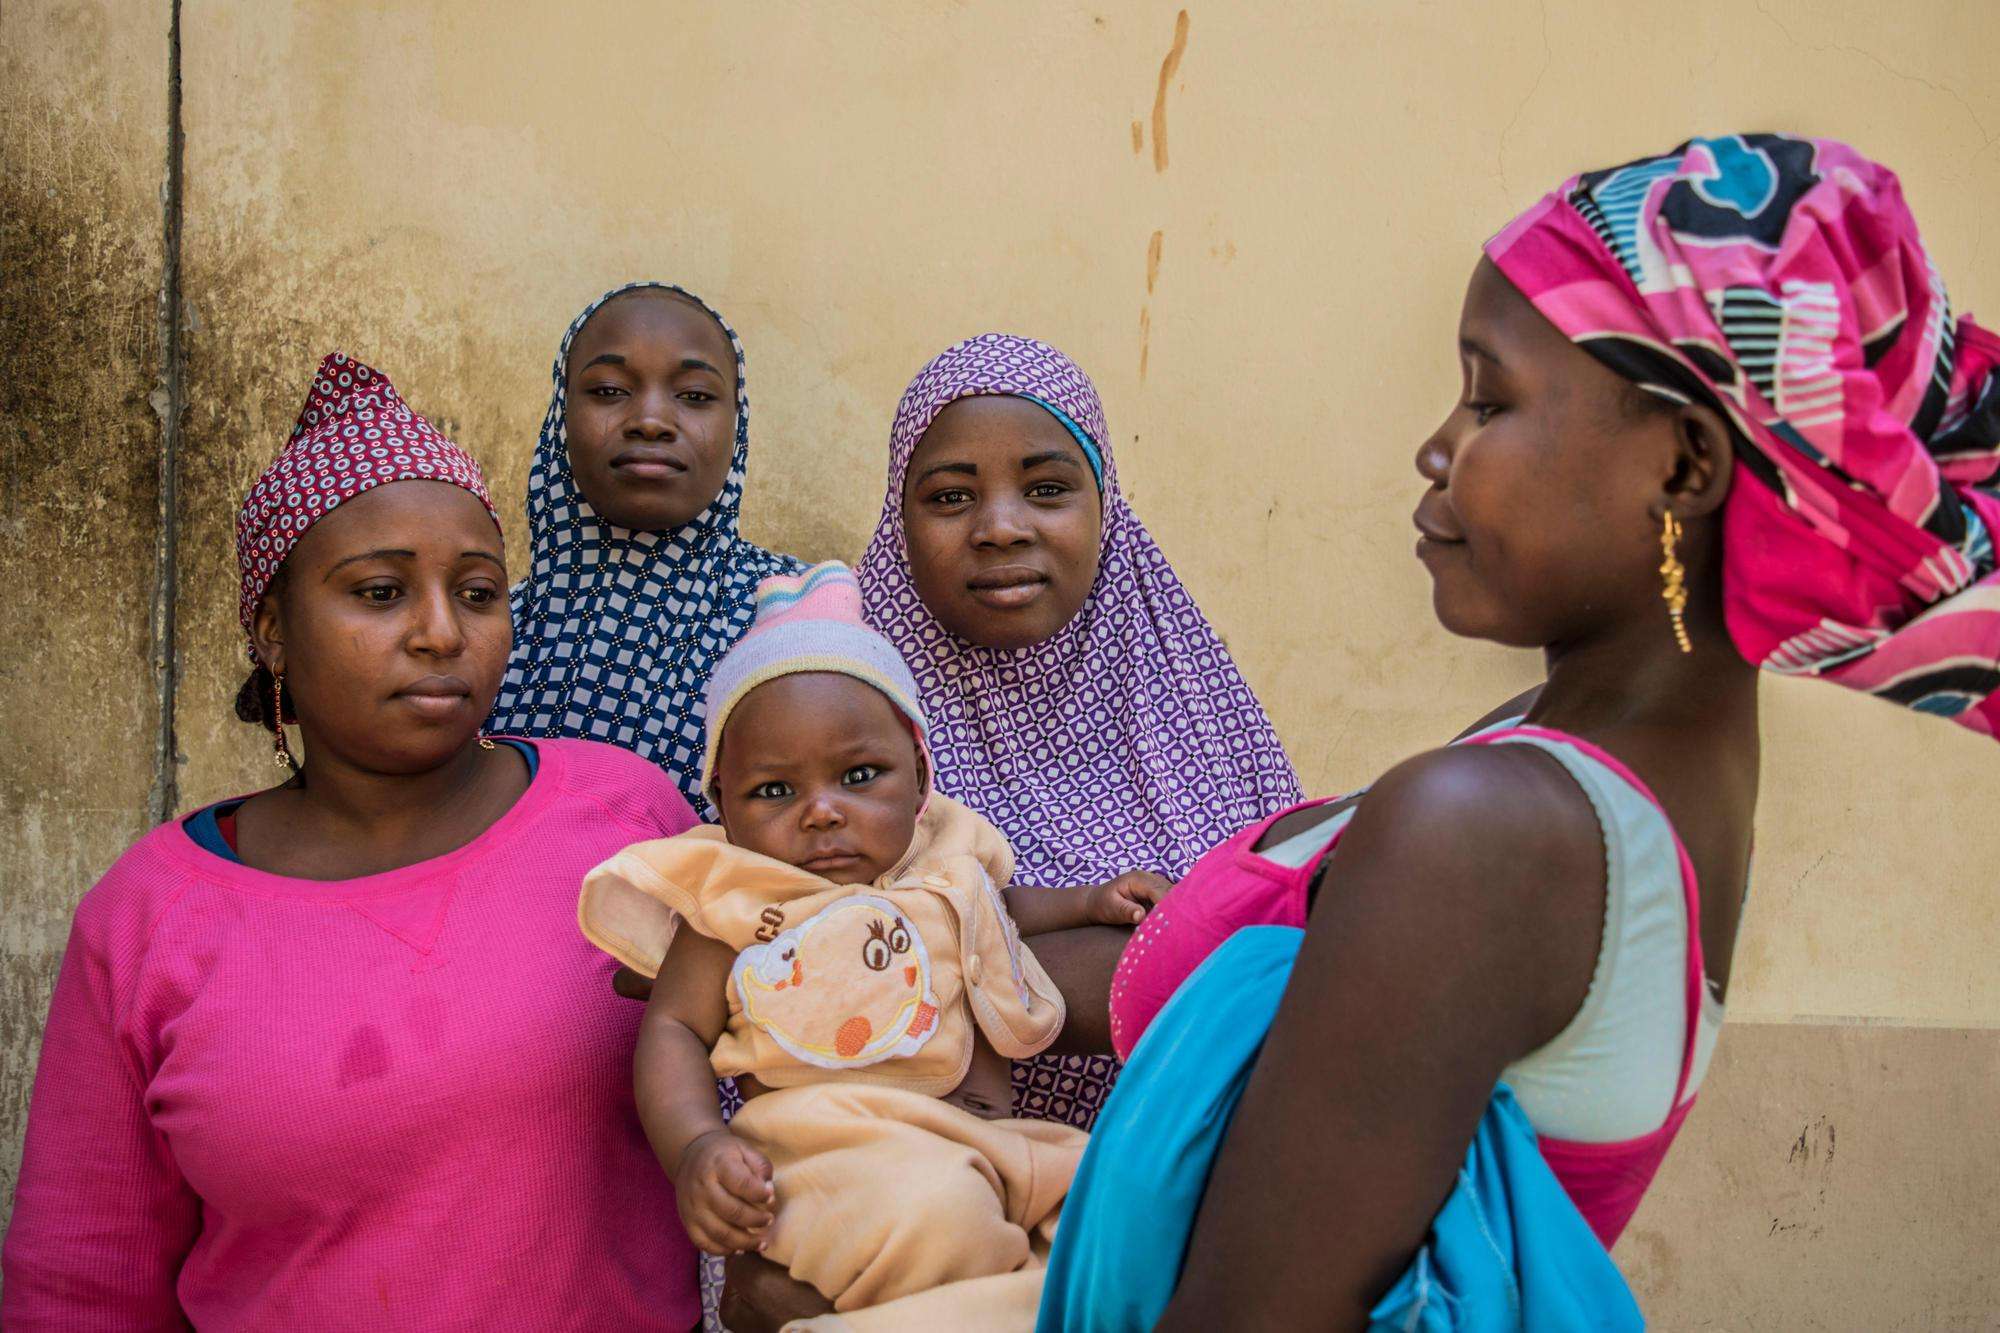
(820, 771)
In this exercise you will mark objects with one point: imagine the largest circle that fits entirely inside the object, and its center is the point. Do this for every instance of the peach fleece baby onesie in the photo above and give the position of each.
(858, 1005)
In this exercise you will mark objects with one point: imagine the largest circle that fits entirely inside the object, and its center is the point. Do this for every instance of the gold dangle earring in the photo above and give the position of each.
(282, 753)
(1673, 576)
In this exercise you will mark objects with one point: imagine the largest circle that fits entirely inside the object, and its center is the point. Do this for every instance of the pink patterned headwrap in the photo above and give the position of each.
(1781, 281)
(355, 433)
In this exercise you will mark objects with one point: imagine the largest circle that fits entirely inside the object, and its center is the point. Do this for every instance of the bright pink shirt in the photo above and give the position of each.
(397, 1101)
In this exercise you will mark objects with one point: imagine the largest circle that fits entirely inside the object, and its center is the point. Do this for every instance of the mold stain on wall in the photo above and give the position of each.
(81, 148)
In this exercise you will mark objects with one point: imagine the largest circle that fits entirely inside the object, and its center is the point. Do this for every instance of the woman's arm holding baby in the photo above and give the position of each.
(722, 1185)
(1081, 962)
(1077, 935)
(1118, 902)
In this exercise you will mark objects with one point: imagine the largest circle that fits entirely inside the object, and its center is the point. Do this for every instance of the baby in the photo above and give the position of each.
(843, 946)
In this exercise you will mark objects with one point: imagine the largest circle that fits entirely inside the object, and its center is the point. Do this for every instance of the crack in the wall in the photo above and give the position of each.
(169, 400)
(1986, 137)
(1500, 152)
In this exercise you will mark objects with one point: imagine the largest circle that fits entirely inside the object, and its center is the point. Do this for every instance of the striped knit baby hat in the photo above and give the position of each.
(809, 622)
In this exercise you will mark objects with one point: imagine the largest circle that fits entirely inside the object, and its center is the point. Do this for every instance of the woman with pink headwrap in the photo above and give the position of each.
(1717, 415)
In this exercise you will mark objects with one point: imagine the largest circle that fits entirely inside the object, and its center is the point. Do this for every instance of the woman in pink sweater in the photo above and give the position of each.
(335, 1055)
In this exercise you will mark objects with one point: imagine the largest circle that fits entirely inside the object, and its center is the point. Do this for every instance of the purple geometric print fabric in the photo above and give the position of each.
(1128, 741)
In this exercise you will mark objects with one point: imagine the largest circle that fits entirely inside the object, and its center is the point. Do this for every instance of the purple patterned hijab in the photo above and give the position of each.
(1129, 741)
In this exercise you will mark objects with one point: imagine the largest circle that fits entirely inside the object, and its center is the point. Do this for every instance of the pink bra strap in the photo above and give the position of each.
(1697, 974)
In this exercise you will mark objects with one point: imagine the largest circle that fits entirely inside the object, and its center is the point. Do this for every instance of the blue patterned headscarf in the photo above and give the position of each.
(615, 630)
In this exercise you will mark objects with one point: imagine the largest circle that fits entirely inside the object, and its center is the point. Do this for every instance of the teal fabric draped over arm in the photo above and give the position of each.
(1508, 1251)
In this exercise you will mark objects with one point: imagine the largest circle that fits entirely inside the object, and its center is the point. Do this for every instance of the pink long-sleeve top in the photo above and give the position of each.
(401, 1101)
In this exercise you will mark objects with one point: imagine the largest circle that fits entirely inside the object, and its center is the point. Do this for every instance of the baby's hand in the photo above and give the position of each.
(1125, 900)
(724, 1192)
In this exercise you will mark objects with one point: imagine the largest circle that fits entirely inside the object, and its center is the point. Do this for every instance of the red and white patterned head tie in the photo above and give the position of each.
(355, 433)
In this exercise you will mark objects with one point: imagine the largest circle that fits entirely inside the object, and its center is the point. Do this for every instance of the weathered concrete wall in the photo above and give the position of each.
(82, 147)
(1834, 1176)
(1253, 228)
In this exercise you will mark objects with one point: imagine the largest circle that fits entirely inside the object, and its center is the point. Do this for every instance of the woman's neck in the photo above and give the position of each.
(342, 820)
(1635, 676)
(343, 792)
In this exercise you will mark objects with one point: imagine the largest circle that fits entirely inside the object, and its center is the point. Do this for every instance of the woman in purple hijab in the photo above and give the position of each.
(1077, 696)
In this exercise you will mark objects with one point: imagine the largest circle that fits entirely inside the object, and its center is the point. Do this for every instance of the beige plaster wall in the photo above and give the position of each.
(439, 188)
(1252, 226)
(1834, 1176)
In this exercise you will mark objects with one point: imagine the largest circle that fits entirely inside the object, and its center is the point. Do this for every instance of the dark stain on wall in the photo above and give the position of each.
(79, 274)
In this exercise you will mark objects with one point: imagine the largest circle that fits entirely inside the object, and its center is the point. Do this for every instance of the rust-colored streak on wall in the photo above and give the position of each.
(81, 149)
(1169, 66)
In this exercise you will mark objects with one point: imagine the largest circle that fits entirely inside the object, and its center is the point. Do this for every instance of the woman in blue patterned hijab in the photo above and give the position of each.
(638, 580)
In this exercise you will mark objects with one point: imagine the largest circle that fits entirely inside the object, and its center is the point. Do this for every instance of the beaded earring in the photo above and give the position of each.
(282, 752)
(1673, 578)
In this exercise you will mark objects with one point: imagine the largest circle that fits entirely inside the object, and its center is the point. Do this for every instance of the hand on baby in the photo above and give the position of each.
(724, 1192)
(1124, 901)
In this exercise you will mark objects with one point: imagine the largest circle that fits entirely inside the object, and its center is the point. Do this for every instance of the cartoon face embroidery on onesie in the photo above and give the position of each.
(848, 987)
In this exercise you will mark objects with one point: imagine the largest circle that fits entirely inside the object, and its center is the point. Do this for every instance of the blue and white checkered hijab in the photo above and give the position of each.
(616, 631)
